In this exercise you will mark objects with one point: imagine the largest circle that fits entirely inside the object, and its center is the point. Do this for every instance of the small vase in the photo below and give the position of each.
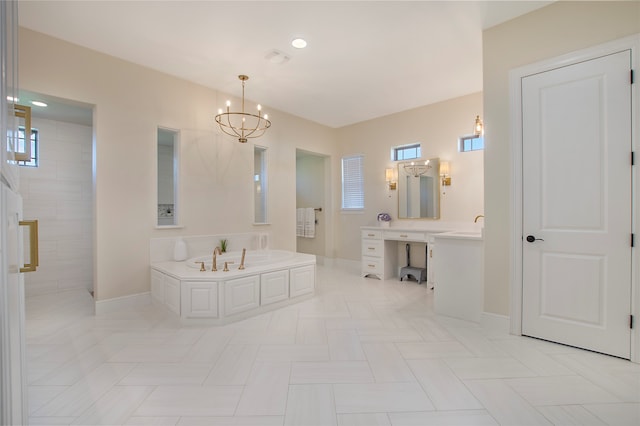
(180, 251)
(383, 224)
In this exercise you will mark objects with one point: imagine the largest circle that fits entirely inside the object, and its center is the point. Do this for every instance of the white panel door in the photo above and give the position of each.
(577, 204)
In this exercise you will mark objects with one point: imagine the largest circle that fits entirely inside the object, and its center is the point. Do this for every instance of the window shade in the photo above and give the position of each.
(352, 182)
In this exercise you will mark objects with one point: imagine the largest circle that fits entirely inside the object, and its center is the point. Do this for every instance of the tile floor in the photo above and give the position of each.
(362, 352)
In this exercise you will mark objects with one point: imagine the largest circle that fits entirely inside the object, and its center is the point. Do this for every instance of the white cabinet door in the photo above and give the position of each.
(274, 287)
(241, 295)
(302, 280)
(199, 299)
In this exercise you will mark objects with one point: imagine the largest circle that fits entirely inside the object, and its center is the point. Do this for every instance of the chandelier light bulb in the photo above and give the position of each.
(228, 103)
(219, 111)
(259, 107)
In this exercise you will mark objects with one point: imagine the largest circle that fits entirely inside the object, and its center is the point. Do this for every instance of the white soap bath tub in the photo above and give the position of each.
(252, 259)
(270, 279)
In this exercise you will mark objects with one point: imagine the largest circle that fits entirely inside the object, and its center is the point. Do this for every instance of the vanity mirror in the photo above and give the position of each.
(419, 189)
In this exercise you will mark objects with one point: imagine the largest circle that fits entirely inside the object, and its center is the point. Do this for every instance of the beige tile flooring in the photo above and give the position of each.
(361, 352)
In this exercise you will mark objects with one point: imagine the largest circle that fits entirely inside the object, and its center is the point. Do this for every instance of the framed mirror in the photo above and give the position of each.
(167, 177)
(419, 189)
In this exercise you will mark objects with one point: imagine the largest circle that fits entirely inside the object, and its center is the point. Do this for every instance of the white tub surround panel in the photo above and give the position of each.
(221, 297)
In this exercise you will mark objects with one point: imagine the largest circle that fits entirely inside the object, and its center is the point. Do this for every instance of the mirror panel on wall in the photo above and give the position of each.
(260, 184)
(168, 177)
(419, 189)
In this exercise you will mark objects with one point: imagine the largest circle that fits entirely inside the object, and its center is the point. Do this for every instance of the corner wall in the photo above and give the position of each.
(130, 102)
(554, 30)
(438, 127)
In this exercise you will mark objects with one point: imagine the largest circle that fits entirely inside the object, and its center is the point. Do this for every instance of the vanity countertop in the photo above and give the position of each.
(440, 230)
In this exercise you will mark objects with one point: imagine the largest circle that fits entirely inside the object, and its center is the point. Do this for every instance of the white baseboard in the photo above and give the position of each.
(124, 303)
(495, 322)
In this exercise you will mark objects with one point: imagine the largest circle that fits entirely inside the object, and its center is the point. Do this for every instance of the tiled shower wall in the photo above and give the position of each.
(59, 195)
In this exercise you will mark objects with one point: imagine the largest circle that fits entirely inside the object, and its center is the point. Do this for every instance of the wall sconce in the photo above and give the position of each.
(389, 176)
(478, 127)
(445, 172)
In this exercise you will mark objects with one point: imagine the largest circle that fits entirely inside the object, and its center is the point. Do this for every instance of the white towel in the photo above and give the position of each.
(310, 222)
(300, 222)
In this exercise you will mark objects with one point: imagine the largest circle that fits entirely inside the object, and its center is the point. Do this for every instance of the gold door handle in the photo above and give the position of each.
(23, 111)
(33, 245)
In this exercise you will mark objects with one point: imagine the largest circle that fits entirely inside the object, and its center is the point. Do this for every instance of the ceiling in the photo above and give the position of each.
(363, 60)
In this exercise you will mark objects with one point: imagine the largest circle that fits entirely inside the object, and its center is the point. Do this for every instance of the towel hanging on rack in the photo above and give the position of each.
(310, 223)
(300, 216)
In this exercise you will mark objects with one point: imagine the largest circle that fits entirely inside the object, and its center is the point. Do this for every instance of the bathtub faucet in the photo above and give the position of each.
(214, 266)
(244, 251)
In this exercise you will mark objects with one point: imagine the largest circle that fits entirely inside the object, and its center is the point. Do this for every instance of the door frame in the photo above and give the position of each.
(515, 108)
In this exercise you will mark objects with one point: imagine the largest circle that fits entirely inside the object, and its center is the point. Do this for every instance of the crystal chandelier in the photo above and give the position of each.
(243, 125)
(416, 170)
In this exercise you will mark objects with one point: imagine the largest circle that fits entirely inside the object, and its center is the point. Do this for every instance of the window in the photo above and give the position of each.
(260, 184)
(34, 147)
(406, 152)
(471, 143)
(352, 183)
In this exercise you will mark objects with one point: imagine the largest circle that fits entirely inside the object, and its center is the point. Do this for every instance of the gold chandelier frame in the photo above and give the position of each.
(243, 125)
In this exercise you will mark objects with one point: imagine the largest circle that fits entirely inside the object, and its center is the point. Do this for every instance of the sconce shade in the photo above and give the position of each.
(478, 127)
(444, 168)
(388, 175)
(390, 178)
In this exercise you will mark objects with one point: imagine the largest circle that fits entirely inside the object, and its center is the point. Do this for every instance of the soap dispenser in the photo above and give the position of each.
(180, 250)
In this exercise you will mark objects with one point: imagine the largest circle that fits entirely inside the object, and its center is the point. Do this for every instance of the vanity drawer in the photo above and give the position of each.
(372, 248)
(372, 234)
(371, 266)
(404, 235)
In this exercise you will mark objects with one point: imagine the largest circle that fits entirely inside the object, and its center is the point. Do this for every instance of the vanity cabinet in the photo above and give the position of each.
(379, 248)
(372, 253)
(274, 287)
(241, 294)
(459, 268)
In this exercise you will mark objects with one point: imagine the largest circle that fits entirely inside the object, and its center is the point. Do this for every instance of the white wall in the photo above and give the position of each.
(59, 194)
(437, 127)
(131, 102)
(568, 26)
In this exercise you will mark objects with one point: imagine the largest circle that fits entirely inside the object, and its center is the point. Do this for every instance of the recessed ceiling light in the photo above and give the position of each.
(299, 43)
(38, 103)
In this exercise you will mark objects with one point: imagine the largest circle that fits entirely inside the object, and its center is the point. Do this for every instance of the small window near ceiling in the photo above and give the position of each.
(406, 152)
(470, 143)
(352, 183)
(33, 162)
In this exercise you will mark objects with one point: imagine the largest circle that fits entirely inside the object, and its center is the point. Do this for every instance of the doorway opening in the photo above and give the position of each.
(312, 203)
(59, 192)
